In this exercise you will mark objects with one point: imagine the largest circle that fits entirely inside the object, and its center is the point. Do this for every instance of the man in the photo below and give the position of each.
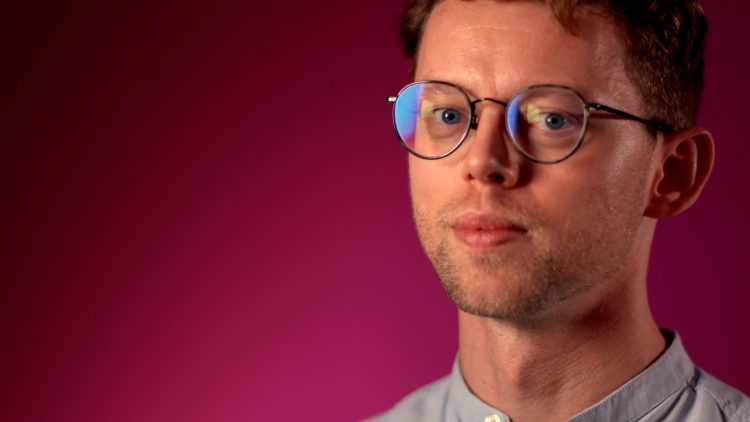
(546, 140)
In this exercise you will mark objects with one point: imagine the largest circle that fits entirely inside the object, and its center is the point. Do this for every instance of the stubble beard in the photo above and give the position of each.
(504, 287)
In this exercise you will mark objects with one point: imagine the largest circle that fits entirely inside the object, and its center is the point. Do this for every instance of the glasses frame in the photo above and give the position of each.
(474, 120)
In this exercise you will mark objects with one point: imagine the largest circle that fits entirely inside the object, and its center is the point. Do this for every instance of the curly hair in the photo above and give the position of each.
(664, 39)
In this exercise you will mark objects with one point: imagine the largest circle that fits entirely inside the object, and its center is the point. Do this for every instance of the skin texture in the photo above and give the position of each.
(547, 263)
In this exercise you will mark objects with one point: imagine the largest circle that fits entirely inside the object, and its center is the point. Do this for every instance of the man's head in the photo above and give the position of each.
(664, 39)
(519, 240)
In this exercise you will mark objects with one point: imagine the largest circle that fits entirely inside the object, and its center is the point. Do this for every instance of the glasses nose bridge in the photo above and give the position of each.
(475, 117)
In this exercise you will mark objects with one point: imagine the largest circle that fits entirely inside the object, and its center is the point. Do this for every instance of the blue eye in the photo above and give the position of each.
(554, 121)
(450, 116)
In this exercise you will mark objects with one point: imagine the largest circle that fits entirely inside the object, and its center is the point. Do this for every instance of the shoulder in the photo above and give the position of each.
(687, 392)
(733, 404)
(425, 404)
(703, 398)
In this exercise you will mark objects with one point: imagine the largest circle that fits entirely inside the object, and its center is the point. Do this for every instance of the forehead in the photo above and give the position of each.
(498, 47)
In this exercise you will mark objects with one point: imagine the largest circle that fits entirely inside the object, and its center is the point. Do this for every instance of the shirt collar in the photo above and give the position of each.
(663, 378)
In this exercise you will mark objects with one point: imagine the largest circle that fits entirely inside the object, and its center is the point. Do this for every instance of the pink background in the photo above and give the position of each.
(205, 215)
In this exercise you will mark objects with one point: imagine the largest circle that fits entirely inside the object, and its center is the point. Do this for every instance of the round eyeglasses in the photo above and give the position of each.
(546, 123)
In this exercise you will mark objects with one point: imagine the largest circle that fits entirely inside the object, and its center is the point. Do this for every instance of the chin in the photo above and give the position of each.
(511, 294)
(495, 297)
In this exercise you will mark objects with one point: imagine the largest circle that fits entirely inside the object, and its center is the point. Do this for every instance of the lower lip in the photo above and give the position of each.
(487, 239)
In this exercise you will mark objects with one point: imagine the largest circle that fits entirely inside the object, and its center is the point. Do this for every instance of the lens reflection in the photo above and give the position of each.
(546, 123)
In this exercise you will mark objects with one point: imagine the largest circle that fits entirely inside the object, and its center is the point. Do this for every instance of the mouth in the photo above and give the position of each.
(485, 231)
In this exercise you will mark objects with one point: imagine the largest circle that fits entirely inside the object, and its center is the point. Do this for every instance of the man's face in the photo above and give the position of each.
(510, 238)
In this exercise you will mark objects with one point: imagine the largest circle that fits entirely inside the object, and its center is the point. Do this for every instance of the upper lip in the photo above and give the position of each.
(486, 222)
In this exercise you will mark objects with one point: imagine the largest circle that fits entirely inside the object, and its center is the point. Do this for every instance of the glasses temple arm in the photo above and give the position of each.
(661, 127)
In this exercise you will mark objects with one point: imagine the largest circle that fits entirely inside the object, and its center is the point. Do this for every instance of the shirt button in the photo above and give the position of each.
(495, 418)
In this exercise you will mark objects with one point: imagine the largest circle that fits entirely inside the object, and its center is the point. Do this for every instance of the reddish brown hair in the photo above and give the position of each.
(665, 41)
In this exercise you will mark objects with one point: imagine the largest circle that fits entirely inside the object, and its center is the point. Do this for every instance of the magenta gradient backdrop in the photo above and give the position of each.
(206, 217)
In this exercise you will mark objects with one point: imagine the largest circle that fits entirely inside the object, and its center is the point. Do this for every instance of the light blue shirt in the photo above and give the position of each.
(670, 389)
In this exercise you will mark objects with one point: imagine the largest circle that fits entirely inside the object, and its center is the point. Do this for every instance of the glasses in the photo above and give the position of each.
(546, 123)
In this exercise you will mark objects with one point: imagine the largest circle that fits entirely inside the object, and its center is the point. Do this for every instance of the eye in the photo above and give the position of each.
(554, 121)
(449, 116)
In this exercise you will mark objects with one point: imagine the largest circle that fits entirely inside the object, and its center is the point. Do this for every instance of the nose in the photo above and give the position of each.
(490, 158)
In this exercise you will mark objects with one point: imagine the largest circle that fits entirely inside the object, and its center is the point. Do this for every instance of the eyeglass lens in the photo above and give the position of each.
(545, 123)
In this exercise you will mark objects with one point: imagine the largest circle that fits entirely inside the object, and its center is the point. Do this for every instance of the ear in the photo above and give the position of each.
(687, 157)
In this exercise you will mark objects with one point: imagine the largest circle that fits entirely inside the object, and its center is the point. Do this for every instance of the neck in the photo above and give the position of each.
(553, 370)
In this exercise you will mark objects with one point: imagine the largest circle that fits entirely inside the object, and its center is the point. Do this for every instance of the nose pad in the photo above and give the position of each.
(491, 158)
(474, 124)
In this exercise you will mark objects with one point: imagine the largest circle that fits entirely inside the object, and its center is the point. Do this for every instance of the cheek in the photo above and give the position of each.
(582, 196)
(609, 167)
(419, 189)
(627, 174)
(623, 154)
(611, 198)
(428, 181)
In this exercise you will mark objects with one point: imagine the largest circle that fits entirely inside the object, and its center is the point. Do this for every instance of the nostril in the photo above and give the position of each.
(496, 177)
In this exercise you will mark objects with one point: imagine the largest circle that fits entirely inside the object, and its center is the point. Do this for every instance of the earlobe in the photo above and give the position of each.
(687, 157)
